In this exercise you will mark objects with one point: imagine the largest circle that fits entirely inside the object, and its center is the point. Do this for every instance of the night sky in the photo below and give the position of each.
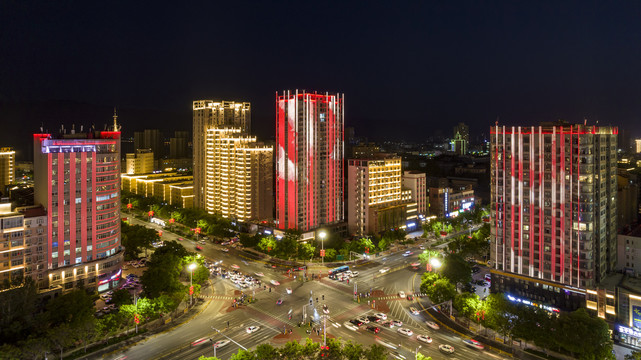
(407, 69)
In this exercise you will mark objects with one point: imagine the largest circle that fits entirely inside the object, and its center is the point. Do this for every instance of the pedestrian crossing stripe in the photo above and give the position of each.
(218, 297)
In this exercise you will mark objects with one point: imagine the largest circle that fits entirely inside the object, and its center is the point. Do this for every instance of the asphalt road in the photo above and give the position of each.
(273, 318)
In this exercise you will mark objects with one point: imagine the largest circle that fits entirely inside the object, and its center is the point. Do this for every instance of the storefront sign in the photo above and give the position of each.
(628, 331)
(636, 316)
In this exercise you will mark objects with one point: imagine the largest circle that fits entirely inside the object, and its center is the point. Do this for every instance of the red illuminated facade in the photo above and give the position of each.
(77, 180)
(553, 205)
(309, 160)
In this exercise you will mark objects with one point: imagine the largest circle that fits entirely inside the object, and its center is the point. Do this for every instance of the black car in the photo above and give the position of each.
(469, 288)
(356, 322)
(479, 282)
(373, 318)
(374, 329)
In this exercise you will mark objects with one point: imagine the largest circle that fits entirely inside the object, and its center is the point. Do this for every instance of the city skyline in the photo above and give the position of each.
(441, 65)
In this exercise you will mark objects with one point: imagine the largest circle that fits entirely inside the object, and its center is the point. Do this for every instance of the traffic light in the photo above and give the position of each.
(323, 297)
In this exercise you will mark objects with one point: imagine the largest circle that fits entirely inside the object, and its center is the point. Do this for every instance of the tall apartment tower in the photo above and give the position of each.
(178, 145)
(77, 180)
(239, 180)
(213, 114)
(553, 207)
(309, 158)
(150, 139)
(13, 244)
(7, 168)
(417, 183)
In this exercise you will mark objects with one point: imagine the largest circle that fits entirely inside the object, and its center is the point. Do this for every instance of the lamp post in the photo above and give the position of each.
(436, 263)
(191, 283)
(322, 235)
(416, 352)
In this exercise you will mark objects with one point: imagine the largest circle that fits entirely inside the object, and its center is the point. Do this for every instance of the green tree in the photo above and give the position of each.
(60, 337)
(310, 349)
(330, 255)
(376, 352)
(291, 351)
(243, 355)
(267, 245)
(335, 347)
(201, 274)
(467, 304)
(305, 250)
(202, 357)
(583, 335)
(353, 351)
(121, 297)
(72, 308)
(18, 309)
(385, 243)
(266, 352)
(442, 290)
(457, 270)
(635, 355)
(427, 255)
(497, 314)
(420, 356)
(287, 246)
(427, 282)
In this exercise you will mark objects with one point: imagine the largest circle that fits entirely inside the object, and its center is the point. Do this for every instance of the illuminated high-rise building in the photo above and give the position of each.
(77, 180)
(7, 168)
(375, 199)
(239, 175)
(213, 114)
(417, 183)
(553, 212)
(309, 160)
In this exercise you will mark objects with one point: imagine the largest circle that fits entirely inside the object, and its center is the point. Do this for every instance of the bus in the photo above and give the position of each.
(339, 269)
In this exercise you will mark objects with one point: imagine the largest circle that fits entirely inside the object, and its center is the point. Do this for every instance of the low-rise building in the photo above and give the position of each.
(449, 200)
(140, 162)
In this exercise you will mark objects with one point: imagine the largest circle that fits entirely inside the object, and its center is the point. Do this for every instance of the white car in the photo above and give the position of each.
(363, 319)
(401, 294)
(354, 273)
(252, 329)
(274, 282)
(424, 338)
(398, 323)
(289, 290)
(199, 341)
(383, 270)
(350, 326)
(432, 324)
(221, 343)
(381, 316)
(448, 349)
(422, 247)
(405, 331)
(407, 253)
(414, 310)
(259, 274)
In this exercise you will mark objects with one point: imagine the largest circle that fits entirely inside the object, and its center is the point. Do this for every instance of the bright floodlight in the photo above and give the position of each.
(322, 235)
(192, 267)
(435, 262)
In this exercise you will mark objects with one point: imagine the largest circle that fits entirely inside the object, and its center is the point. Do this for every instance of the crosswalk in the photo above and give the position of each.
(216, 297)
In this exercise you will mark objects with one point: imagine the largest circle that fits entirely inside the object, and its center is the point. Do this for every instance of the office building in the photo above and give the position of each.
(239, 175)
(460, 139)
(77, 180)
(376, 201)
(140, 162)
(553, 211)
(449, 200)
(150, 139)
(309, 160)
(7, 168)
(209, 114)
(416, 182)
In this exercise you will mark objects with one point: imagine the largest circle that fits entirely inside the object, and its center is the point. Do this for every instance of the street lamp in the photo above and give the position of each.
(191, 283)
(435, 262)
(322, 234)
(416, 352)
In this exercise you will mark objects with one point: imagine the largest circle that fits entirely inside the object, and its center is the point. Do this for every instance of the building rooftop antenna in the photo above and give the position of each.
(115, 119)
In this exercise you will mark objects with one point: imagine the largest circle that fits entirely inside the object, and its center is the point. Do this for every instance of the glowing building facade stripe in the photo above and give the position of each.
(309, 156)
